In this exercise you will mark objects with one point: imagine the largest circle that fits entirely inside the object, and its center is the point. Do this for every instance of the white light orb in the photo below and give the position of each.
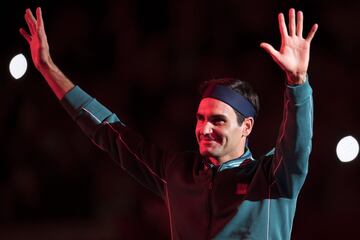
(347, 149)
(18, 66)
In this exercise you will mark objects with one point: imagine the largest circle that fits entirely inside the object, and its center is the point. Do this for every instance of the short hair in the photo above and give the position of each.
(242, 87)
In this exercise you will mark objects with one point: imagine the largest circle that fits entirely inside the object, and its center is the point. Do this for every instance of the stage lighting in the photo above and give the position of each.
(347, 149)
(18, 66)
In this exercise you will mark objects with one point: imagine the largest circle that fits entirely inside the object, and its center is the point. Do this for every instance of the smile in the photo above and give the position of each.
(208, 142)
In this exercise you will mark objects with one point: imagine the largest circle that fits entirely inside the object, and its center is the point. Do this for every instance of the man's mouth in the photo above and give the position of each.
(207, 141)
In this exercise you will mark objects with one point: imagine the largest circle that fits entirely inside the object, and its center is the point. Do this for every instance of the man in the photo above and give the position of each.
(221, 193)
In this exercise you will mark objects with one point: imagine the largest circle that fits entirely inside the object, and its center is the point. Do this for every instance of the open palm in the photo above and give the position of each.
(37, 38)
(294, 54)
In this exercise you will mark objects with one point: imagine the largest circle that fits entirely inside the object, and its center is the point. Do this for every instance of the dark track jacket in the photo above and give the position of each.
(242, 199)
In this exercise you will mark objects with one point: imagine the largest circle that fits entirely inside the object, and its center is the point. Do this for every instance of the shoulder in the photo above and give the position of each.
(265, 160)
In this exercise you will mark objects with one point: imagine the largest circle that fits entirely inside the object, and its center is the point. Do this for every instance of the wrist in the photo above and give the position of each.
(296, 79)
(46, 66)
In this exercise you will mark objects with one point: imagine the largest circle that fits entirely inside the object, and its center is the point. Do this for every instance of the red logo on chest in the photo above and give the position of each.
(241, 189)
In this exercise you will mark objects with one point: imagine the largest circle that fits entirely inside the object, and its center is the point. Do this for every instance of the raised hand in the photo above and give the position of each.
(293, 56)
(40, 54)
(37, 39)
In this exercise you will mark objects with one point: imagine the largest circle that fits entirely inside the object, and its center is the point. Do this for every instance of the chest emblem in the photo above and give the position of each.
(241, 189)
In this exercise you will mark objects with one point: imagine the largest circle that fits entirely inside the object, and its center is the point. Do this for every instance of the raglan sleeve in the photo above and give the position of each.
(294, 143)
(145, 162)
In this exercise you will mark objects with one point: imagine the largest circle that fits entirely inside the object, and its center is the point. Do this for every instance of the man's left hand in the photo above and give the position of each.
(293, 56)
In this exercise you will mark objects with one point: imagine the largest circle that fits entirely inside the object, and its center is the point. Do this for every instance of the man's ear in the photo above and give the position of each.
(248, 124)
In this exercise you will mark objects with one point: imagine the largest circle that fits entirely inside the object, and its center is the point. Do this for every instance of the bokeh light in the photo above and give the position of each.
(18, 66)
(347, 149)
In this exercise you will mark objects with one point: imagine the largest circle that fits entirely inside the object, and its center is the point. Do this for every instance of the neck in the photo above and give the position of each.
(217, 161)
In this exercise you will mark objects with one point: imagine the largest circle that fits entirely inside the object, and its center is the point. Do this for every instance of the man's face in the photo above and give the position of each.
(217, 131)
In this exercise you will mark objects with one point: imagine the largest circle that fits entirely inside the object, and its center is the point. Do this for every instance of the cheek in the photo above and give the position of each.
(197, 128)
(219, 137)
(235, 137)
(197, 132)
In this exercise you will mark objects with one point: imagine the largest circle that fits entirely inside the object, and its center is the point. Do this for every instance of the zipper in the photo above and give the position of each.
(210, 200)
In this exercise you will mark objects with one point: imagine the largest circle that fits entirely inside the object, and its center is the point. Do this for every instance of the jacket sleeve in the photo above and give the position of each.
(144, 162)
(290, 163)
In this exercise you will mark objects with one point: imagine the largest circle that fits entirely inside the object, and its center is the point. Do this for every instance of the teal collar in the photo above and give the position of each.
(234, 162)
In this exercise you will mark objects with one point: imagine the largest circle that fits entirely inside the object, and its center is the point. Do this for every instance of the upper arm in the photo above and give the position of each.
(144, 161)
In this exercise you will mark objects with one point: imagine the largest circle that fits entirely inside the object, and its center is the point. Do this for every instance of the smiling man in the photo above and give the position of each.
(225, 119)
(222, 192)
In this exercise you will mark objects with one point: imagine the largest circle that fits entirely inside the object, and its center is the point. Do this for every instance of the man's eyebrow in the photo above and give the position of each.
(213, 116)
(218, 116)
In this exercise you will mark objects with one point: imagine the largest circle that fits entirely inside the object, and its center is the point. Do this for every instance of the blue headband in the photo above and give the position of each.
(232, 98)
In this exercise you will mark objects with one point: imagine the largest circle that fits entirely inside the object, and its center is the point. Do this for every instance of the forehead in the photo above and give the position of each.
(211, 106)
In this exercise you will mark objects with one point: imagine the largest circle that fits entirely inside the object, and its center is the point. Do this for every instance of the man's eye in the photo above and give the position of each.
(219, 122)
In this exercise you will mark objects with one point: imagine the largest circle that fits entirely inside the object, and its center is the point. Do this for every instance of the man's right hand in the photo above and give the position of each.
(37, 39)
(40, 54)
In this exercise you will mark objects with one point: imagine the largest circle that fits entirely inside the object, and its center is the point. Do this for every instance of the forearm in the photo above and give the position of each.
(57, 81)
(294, 142)
(293, 147)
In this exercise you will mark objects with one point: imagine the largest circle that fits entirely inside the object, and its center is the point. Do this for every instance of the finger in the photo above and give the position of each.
(282, 26)
(292, 22)
(25, 35)
(312, 32)
(31, 16)
(299, 24)
(270, 50)
(30, 21)
(40, 22)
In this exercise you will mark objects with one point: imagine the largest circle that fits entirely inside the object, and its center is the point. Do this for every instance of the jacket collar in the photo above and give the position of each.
(232, 163)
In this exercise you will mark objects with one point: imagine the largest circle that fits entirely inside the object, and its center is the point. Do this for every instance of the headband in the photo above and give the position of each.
(232, 98)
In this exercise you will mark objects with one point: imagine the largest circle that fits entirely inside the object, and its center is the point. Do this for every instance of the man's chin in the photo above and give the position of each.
(207, 153)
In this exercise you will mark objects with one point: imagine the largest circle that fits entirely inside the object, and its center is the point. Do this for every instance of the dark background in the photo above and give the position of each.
(144, 60)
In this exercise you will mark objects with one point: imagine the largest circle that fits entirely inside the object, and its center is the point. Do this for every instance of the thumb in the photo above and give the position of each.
(270, 50)
(25, 35)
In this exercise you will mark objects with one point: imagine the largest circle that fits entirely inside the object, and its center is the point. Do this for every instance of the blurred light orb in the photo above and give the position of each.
(18, 66)
(347, 149)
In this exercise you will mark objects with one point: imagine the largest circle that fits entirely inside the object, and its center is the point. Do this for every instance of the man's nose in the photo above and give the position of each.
(207, 128)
